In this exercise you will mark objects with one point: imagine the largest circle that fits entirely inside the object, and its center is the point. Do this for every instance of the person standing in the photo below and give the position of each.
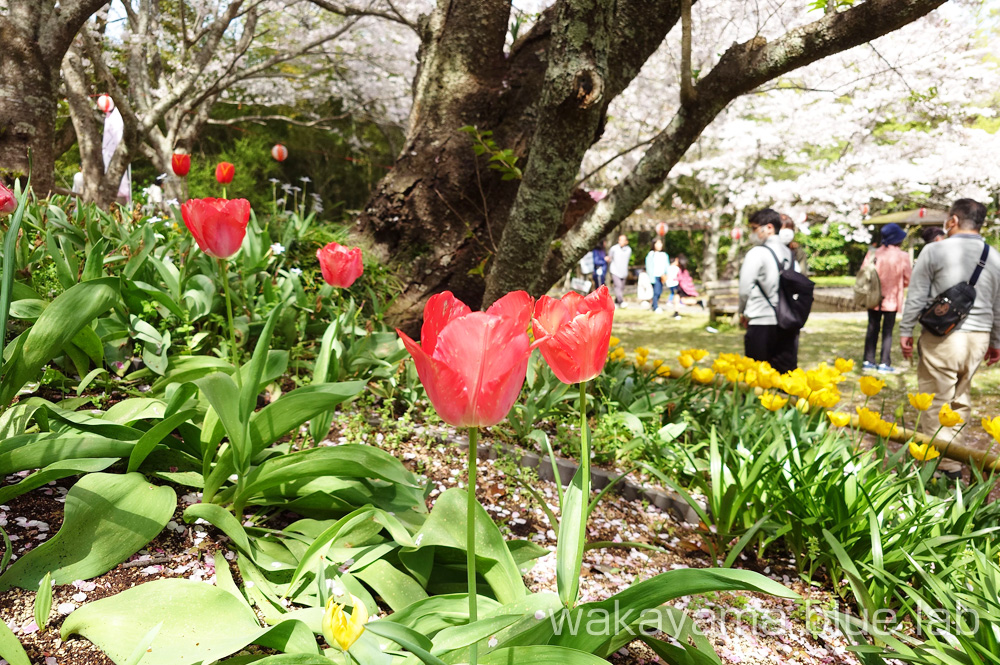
(933, 234)
(947, 364)
(656, 267)
(759, 276)
(893, 267)
(600, 257)
(618, 260)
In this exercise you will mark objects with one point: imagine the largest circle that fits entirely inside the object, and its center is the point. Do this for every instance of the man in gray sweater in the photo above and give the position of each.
(947, 364)
(759, 275)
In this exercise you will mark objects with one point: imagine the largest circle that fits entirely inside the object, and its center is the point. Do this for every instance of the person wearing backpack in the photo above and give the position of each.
(893, 268)
(759, 280)
(955, 294)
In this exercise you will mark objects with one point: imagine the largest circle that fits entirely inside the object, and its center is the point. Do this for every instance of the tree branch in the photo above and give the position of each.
(742, 68)
(346, 10)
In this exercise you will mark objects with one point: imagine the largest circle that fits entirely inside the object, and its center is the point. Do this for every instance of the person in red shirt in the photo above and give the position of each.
(894, 268)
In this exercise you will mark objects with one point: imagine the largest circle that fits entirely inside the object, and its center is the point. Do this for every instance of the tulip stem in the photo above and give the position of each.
(470, 537)
(232, 326)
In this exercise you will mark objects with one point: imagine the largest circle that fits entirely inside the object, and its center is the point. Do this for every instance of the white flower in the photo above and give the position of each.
(172, 202)
(493, 642)
(277, 249)
(296, 271)
(305, 179)
(273, 181)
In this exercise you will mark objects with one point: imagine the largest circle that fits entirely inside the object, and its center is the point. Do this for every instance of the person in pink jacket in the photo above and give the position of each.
(893, 267)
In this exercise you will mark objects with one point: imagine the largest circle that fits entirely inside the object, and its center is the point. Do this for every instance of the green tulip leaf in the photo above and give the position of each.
(540, 655)
(10, 647)
(108, 518)
(61, 321)
(55, 471)
(43, 601)
(446, 527)
(200, 623)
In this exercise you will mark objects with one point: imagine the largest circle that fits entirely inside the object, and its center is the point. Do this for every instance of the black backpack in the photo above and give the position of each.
(952, 306)
(795, 296)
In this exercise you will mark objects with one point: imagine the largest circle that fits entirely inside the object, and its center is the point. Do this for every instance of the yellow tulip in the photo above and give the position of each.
(751, 377)
(339, 628)
(839, 418)
(641, 351)
(871, 386)
(733, 375)
(921, 401)
(795, 383)
(826, 398)
(697, 354)
(992, 427)
(923, 451)
(948, 417)
(663, 370)
(885, 429)
(868, 420)
(843, 365)
(614, 341)
(686, 361)
(802, 405)
(772, 402)
(702, 375)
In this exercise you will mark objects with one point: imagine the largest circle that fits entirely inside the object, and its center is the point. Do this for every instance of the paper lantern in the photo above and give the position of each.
(865, 209)
(105, 103)
(279, 152)
(661, 229)
(736, 233)
(922, 212)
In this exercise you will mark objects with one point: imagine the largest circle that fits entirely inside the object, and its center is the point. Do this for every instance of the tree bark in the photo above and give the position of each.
(34, 37)
(571, 109)
(428, 213)
(710, 254)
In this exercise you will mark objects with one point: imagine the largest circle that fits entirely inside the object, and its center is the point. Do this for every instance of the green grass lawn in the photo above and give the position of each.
(833, 280)
(826, 337)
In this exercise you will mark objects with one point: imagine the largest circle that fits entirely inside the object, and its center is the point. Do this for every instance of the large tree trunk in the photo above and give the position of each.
(27, 108)
(34, 37)
(710, 254)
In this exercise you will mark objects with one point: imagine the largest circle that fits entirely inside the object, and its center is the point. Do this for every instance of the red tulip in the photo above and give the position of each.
(218, 225)
(181, 164)
(340, 265)
(224, 173)
(472, 364)
(8, 203)
(573, 333)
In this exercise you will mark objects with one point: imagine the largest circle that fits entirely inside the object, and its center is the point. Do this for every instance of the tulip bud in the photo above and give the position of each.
(8, 203)
(181, 164)
(224, 173)
(341, 629)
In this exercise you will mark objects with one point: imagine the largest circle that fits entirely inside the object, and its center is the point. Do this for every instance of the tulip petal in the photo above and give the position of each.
(516, 306)
(440, 309)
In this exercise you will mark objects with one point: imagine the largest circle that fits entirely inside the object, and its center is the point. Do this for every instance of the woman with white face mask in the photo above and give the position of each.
(787, 236)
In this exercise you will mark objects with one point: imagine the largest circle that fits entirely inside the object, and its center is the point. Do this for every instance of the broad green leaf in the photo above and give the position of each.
(10, 647)
(43, 601)
(157, 433)
(294, 408)
(55, 471)
(436, 613)
(540, 655)
(410, 640)
(108, 518)
(223, 520)
(572, 534)
(446, 528)
(200, 623)
(224, 396)
(397, 588)
(61, 321)
(351, 461)
(34, 451)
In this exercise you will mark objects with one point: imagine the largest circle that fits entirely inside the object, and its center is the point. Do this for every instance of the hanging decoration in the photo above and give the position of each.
(661, 229)
(279, 152)
(105, 103)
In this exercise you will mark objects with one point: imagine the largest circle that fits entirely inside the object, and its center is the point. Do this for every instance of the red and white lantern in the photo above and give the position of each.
(105, 103)
(865, 209)
(279, 152)
(661, 229)
(736, 233)
(922, 213)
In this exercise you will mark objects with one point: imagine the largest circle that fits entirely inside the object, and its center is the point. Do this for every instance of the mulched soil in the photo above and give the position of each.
(744, 627)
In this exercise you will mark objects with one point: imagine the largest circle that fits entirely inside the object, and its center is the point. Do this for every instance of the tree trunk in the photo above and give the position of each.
(27, 110)
(710, 255)
(34, 37)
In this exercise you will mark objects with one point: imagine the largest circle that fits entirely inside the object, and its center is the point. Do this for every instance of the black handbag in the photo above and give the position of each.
(952, 306)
